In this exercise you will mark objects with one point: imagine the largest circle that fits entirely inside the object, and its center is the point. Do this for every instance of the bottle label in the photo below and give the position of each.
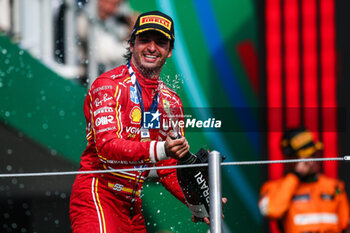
(198, 211)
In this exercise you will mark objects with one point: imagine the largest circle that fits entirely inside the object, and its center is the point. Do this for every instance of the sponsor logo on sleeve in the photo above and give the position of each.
(104, 120)
(103, 110)
(99, 102)
(106, 129)
(102, 88)
(135, 115)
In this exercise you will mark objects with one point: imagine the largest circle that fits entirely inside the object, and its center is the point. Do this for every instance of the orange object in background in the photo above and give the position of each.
(318, 206)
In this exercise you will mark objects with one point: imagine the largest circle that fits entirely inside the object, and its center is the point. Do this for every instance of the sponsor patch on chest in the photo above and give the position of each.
(301, 197)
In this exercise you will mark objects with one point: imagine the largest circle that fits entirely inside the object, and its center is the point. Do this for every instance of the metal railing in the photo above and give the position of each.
(215, 192)
(215, 180)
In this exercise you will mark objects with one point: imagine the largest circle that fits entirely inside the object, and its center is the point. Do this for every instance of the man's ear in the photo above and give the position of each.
(170, 53)
(131, 47)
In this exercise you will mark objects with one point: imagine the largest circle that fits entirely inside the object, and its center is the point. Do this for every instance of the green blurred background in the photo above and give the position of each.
(208, 70)
(217, 66)
(205, 67)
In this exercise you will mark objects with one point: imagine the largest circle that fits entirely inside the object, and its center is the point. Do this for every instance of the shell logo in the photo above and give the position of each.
(135, 115)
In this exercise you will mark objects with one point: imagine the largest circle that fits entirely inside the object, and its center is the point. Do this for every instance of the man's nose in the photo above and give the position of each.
(151, 46)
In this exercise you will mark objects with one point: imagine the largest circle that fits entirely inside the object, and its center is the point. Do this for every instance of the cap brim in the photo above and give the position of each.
(310, 151)
(153, 29)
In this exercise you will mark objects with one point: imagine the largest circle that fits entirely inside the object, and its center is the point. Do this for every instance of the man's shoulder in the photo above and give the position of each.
(269, 185)
(329, 180)
(275, 181)
(168, 91)
(118, 75)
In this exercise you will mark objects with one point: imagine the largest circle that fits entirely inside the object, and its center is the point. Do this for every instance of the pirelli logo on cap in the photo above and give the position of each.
(155, 19)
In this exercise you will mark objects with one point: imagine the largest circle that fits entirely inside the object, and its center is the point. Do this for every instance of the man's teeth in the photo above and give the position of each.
(150, 56)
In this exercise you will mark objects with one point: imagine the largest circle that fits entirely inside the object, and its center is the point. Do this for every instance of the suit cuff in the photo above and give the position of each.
(157, 151)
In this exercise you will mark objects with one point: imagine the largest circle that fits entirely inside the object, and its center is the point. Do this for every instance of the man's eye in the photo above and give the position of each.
(162, 42)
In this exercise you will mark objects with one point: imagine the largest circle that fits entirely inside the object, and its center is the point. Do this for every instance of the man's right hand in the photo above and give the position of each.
(176, 148)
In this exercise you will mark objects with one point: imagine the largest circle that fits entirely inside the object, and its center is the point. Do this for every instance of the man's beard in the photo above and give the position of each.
(153, 72)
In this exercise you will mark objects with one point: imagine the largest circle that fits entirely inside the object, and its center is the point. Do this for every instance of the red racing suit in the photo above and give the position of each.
(110, 202)
(319, 206)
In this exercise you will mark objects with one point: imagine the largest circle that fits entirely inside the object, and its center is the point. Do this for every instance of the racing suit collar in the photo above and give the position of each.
(145, 82)
(310, 178)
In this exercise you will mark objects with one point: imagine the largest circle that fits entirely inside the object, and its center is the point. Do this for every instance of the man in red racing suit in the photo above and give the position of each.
(113, 108)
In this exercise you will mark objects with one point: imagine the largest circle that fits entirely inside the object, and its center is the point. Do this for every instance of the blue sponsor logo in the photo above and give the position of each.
(133, 95)
(151, 120)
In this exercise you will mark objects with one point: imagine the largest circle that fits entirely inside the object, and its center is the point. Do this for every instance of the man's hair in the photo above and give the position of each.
(131, 40)
(128, 53)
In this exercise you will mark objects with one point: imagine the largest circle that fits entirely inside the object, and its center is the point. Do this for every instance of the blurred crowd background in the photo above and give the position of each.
(267, 64)
(73, 38)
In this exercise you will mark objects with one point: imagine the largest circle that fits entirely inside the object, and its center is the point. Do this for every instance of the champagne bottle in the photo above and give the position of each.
(194, 183)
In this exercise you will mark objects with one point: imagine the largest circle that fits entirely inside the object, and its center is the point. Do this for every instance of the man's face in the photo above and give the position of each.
(149, 53)
(307, 167)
